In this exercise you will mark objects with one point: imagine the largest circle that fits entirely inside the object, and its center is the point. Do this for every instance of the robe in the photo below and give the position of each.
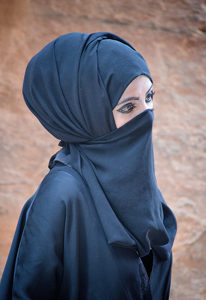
(60, 251)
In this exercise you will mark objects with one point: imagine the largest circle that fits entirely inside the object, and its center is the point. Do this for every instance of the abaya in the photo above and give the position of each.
(99, 210)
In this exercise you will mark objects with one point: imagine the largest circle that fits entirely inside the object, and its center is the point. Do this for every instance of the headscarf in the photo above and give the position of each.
(71, 86)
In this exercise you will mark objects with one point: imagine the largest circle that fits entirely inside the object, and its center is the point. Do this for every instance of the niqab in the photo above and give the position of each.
(71, 86)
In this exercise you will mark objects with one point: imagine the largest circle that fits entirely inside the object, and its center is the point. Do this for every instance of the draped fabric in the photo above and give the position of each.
(60, 251)
(71, 86)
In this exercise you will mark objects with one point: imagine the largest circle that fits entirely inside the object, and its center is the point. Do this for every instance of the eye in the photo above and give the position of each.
(149, 97)
(127, 108)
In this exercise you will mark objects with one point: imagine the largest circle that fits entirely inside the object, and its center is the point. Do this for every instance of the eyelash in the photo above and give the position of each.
(149, 97)
(128, 108)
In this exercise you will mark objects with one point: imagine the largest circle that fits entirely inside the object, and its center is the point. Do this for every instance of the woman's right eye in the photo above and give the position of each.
(127, 108)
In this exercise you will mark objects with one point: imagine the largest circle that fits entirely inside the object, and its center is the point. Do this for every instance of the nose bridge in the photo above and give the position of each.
(143, 105)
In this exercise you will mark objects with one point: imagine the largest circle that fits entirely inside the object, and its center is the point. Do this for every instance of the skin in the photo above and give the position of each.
(141, 92)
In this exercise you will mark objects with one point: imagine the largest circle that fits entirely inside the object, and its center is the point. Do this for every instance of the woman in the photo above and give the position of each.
(98, 226)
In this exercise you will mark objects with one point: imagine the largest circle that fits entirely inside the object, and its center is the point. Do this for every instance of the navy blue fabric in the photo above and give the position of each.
(71, 86)
(60, 251)
(65, 84)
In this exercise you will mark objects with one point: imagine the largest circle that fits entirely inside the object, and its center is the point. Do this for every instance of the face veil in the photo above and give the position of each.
(71, 86)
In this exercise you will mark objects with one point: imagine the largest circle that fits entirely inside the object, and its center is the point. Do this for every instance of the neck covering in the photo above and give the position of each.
(71, 86)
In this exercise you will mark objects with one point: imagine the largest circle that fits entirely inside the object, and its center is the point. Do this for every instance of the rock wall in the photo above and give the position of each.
(171, 35)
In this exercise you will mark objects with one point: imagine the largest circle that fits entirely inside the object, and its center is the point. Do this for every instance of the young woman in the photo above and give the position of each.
(98, 226)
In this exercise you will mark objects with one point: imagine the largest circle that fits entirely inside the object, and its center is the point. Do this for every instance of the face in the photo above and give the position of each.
(137, 97)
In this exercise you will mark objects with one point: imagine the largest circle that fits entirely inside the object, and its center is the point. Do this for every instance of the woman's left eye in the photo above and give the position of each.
(149, 96)
(127, 108)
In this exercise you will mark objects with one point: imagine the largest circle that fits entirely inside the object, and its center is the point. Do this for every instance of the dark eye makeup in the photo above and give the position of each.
(127, 108)
(149, 97)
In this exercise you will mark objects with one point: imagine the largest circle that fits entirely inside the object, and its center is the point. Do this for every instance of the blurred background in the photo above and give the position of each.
(171, 35)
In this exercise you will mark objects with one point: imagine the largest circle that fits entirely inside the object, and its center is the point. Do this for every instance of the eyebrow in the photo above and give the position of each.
(149, 89)
(127, 99)
(133, 98)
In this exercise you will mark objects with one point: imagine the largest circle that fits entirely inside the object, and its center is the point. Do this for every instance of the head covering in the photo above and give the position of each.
(71, 86)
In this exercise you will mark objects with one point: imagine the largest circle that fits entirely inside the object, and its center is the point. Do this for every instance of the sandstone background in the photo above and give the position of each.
(171, 35)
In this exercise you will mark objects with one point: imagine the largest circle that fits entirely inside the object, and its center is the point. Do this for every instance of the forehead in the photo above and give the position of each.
(140, 85)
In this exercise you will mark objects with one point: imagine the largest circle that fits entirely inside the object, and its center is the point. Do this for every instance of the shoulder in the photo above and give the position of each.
(62, 184)
(64, 177)
(60, 193)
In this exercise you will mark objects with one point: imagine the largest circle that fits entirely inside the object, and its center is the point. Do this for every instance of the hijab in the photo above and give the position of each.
(71, 86)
